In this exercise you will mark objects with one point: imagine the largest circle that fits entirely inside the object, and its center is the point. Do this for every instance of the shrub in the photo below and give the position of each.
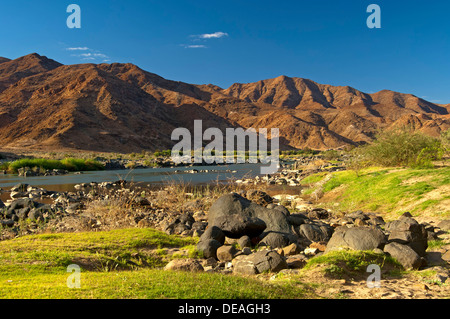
(400, 147)
(445, 140)
(331, 155)
(70, 164)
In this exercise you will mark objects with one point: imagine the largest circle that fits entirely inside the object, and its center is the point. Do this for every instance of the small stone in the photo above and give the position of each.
(311, 251)
(226, 253)
(210, 262)
(184, 265)
(296, 261)
(292, 249)
(245, 241)
(321, 246)
(421, 286)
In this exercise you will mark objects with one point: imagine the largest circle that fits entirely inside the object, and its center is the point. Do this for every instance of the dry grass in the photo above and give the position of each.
(175, 195)
(120, 208)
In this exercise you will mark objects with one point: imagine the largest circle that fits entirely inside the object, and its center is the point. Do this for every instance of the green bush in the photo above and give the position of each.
(445, 140)
(70, 164)
(401, 147)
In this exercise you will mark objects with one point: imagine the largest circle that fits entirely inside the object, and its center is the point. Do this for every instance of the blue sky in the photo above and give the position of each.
(223, 42)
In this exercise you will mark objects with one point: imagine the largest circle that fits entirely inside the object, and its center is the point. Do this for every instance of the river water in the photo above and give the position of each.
(151, 176)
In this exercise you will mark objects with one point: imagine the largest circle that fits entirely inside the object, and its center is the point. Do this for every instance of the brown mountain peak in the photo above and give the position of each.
(35, 58)
(13, 71)
(2, 59)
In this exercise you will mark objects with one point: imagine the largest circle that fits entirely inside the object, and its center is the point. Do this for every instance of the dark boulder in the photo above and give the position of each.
(297, 219)
(236, 226)
(208, 248)
(316, 232)
(405, 255)
(408, 231)
(276, 240)
(213, 232)
(357, 238)
(236, 205)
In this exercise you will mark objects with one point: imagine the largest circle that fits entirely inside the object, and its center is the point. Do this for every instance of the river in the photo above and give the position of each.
(151, 176)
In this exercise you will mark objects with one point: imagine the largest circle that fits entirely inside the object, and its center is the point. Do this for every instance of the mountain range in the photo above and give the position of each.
(45, 105)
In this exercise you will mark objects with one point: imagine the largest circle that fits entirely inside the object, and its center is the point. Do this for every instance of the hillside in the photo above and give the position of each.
(45, 105)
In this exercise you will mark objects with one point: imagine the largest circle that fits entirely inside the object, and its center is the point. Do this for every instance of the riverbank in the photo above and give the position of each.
(129, 240)
(179, 213)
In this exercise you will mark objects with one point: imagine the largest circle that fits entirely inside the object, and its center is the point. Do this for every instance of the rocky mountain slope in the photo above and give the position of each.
(122, 108)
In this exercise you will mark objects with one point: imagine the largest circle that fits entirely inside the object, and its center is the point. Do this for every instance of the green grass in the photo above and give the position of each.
(350, 262)
(70, 164)
(385, 190)
(437, 244)
(125, 263)
(145, 283)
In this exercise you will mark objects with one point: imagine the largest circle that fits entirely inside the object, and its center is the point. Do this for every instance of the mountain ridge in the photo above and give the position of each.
(120, 107)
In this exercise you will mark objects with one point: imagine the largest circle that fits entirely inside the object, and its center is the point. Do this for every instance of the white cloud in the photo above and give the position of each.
(215, 35)
(205, 36)
(92, 55)
(196, 46)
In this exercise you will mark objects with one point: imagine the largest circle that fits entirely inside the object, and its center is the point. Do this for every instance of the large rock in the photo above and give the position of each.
(234, 204)
(405, 255)
(357, 238)
(316, 232)
(408, 231)
(259, 262)
(236, 225)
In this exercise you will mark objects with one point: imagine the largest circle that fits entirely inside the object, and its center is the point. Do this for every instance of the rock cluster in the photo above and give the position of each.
(236, 226)
(36, 171)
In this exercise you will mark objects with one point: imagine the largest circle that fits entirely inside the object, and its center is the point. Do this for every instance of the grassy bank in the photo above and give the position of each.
(70, 164)
(385, 190)
(123, 263)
